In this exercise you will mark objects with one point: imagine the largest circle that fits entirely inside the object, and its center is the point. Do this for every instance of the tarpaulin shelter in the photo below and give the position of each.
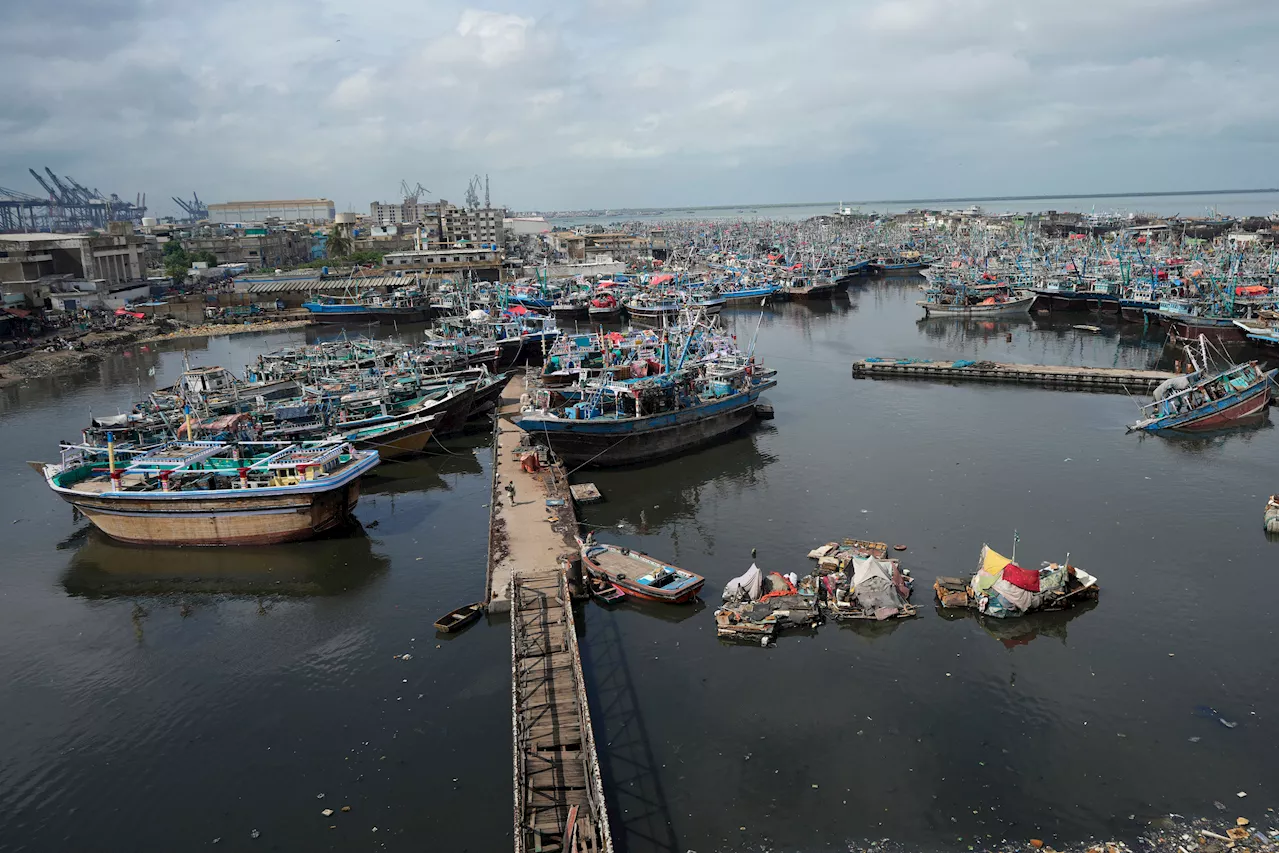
(745, 587)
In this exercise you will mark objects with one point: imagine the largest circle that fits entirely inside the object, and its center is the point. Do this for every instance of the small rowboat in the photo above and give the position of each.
(456, 620)
(605, 592)
(639, 575)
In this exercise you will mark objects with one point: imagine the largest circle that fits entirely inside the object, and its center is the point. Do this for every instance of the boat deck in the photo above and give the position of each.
(1079, 378)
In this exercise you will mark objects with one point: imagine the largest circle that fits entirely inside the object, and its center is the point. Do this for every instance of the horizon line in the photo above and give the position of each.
(1065, 197)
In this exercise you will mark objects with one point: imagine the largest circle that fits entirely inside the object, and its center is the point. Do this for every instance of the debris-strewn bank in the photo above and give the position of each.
(1171, 834)
(216, 329)
(87, 350)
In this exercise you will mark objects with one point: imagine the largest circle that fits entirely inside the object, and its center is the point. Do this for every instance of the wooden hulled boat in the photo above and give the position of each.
(630, 422)
(989, 300)
(604, 306)
(1202, 400)
(395, 439)
(639, 575)
(456, 620)
(212, 493)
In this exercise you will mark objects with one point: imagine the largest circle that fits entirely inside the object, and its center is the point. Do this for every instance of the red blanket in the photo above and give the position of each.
(1028, 579)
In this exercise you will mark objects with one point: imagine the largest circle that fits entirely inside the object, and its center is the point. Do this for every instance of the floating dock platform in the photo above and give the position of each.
(559, 804)
(586, 493)
(1112, 379)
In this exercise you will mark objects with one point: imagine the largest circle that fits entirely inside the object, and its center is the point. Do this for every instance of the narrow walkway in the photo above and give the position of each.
(559, 798)
(524, 531)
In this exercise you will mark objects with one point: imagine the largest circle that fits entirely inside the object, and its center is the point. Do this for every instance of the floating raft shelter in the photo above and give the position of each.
(1077, 378)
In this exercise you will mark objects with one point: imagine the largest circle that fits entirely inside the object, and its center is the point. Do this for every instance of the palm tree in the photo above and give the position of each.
(339, 244)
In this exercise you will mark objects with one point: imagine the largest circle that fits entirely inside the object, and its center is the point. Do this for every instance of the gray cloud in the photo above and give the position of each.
(641, 102)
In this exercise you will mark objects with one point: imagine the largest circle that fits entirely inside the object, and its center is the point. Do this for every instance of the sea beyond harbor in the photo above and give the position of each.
(297, 694)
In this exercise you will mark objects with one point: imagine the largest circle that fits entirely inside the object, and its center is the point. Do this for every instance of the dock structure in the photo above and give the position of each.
(558, 794)
(559, 798)
(1111, 379)
(525, 531)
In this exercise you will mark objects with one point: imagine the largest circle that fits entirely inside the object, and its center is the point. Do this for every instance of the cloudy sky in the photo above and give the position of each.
(610, 103)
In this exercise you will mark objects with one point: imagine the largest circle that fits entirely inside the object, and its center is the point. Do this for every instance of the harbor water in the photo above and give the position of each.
(168, 698)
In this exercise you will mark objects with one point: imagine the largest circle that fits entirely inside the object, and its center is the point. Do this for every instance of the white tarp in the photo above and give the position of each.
(865, 568)
(745, 587)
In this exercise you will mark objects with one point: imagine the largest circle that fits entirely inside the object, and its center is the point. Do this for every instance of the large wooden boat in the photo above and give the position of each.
(212, 493)
(991, 300)
(394, 439)
(639, 575)
(1204, 400)
(398, 307)
(630, 422)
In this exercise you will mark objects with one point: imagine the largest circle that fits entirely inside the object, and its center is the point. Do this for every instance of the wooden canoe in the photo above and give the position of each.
(456, 620)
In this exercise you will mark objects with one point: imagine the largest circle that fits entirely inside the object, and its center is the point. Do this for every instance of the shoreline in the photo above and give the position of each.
(39, 363)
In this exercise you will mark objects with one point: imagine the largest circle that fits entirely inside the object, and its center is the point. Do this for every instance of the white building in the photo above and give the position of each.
(291, 210)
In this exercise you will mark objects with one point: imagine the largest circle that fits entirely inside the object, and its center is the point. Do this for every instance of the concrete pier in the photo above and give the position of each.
(558, 795)
(527, 533)
(1113, 379)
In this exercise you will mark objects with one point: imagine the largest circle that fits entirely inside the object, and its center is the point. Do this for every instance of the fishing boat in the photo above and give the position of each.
(1204, 400)
(456, 620)
(370, 307)
(639, 575)
(604, 307)
(212, 493)
(647, 307)
(1262, 332)
(571, 308)
(977, 300)
(811, 287)
(394, 439)
(631, 421)
(904, 265)
(750, 292)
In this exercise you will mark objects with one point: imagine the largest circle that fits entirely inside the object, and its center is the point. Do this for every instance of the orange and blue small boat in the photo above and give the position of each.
(639, 575)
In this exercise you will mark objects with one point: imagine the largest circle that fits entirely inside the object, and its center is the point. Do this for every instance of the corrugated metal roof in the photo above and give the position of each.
(328, 285)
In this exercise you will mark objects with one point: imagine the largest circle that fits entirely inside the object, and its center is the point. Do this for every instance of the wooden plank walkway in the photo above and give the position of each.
(559, 798)
(1112, 379)
(558, 795)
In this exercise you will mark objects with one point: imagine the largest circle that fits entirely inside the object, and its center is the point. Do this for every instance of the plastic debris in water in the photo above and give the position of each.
(1227, 723)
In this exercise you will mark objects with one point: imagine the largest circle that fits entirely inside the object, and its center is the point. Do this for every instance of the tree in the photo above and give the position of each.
(176, 261)
(338, 244)
(208, 257)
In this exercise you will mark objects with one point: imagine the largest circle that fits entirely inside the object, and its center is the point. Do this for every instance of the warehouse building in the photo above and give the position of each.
(293, 210)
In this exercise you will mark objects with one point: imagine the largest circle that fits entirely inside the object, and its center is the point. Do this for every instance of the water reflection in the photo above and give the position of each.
(331, 565)
(641, 500)
(871, 630)
(958, 331)
(425, 473)
(633, 779)
(1020, 631)
(1244, 429)
(673, 613)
